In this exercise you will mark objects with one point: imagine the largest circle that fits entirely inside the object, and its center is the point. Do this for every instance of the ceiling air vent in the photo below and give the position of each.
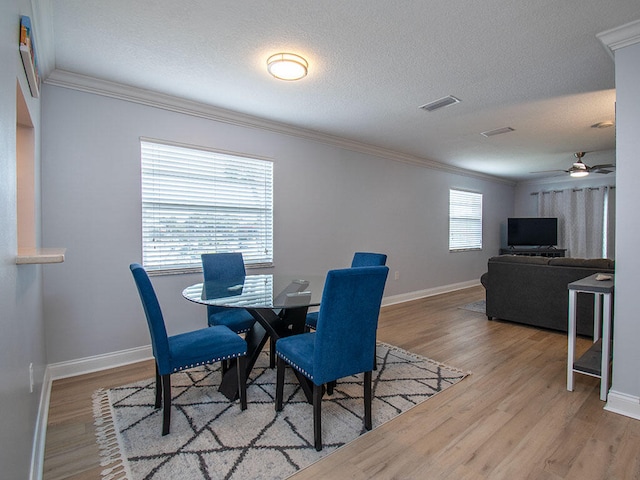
(497, 131)
(441, 103)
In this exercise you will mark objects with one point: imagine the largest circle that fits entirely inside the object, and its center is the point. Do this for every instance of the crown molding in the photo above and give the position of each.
(74, 81)
(619, 37)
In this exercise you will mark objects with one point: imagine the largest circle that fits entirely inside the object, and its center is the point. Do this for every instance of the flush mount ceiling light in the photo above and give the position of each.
(287, 66)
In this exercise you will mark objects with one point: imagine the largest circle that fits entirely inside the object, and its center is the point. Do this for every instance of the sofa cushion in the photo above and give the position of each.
(596, 263)
(521, 259)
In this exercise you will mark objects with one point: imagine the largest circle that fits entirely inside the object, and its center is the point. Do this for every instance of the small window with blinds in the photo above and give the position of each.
(465, 220)
(198, 201)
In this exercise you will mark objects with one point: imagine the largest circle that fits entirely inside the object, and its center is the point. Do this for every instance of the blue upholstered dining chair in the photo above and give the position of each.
(221, 269)
(368, 259)
(360, 259)
(344, 340)
(185, 350)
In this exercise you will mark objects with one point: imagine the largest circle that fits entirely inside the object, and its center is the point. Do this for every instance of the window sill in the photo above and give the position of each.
(29, 256)
(190, 270)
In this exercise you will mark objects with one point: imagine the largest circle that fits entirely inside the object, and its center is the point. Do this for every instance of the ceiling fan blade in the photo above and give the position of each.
(606, 165)
(602, 168)
(579, 167)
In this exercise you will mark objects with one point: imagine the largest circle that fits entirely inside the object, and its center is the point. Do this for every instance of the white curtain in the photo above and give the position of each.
(585, 228)
(610, 223)
(551, 204)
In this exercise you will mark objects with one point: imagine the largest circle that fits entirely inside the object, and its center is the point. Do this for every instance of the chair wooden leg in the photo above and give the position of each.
(158, 403)
(279, 383)
(272, 353)
(242, 381)
(331, 386)
(166, 410)
(367, 400)
(317, 416)
(375, 357)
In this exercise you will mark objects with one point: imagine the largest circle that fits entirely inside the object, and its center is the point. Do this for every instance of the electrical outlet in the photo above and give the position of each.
(31, 377)
(397, 275)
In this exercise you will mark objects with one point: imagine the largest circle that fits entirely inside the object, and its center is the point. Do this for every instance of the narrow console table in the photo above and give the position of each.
(597, 360)
(534, 252)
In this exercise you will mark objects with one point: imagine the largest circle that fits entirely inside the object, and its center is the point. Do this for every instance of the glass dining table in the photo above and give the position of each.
(279, 304)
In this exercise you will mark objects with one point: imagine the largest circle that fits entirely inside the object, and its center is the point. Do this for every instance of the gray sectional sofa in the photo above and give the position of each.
(533, 290)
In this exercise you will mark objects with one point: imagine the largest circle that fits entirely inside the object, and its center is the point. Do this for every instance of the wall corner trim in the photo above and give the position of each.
(623, 404)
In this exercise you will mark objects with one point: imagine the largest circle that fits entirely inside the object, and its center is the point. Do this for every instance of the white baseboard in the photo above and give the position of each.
(617, 402)
(96, 363)
(406, 297)
(40, 433)
(624, 404)
(72, 368)
(106, 361)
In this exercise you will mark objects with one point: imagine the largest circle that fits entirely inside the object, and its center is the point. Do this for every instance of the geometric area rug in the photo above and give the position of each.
(212, 438)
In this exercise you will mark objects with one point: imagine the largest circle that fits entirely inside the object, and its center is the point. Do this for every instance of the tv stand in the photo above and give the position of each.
(534, 251)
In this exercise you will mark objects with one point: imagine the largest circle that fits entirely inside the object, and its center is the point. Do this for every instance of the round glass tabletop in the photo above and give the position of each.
(260, 291)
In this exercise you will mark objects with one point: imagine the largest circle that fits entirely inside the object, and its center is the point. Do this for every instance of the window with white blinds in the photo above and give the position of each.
(465, 220)
(198, 201)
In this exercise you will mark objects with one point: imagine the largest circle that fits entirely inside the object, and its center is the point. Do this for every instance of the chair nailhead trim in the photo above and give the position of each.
(213, 360)
(301, 370)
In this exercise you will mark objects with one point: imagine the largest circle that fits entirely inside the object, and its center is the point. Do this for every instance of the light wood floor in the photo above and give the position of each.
(511, 419)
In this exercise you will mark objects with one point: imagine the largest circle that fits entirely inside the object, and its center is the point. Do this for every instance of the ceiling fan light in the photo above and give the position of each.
(578, 169)
(287, 66)
(579, 173)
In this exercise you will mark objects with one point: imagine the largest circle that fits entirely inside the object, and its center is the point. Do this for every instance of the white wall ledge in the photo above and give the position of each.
(28, 256)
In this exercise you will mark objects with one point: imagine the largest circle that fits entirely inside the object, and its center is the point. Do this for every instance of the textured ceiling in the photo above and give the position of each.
(534, 66)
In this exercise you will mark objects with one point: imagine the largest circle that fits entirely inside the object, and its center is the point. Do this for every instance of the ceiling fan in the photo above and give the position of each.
(579, 169)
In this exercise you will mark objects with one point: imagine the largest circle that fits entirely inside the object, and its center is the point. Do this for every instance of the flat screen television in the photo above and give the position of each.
(532, 232)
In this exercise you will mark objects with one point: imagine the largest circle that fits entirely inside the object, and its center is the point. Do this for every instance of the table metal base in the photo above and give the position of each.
(269, 324)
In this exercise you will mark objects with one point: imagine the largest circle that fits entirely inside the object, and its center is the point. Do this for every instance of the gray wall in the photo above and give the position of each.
(91, 206)
(329, 202)
(627, 325)
(21, 318)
